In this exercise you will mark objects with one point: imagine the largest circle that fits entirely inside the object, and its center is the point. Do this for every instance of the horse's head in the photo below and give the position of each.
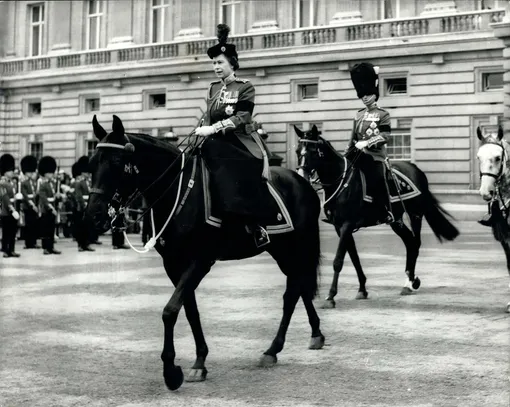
(492, 157)
(113, 173)
(309, 150)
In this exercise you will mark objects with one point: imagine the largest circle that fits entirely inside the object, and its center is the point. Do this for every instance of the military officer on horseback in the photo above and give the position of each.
(370, 133)
(235, 154)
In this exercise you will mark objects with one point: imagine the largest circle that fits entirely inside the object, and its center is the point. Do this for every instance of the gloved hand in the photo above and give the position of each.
(205, 131)
(18, 196)
(15, 215)
(360, 145)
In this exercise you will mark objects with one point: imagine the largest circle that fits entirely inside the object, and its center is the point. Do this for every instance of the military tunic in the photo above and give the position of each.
(9, 224)
(81, 196)
(48, 214)
(31, 212)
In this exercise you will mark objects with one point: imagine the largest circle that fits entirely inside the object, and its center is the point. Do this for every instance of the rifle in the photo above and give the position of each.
(57, 201)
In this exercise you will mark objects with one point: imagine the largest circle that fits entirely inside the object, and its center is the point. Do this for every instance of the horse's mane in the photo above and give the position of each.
(150, 141)
(330, 146)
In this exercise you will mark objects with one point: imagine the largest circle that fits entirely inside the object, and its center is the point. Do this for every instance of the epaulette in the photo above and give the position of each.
(380, 108)
(241, 80)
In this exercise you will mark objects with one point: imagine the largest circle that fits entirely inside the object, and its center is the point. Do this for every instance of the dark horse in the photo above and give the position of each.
(345, 205)
(124, 163)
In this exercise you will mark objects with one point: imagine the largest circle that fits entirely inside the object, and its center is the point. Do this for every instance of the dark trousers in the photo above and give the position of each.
(117, 238)
(48, 224)
(9, 230)
(80, 229)
(375, 172)
(31, 230)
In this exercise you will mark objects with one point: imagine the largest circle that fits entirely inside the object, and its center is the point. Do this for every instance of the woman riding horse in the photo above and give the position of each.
(370, 133)
(234, 153)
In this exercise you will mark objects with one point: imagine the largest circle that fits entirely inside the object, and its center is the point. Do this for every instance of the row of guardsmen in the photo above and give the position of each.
(34, 199)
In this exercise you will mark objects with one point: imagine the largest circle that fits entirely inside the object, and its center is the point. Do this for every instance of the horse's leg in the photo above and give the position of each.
(412, 243)
(290, 298)
(506, 248)
(186, 285)
(317, 340)
(198, 372)
(353, 254)
(343, 232)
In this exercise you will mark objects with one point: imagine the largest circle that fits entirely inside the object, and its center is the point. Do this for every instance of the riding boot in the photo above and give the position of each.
(487, 218)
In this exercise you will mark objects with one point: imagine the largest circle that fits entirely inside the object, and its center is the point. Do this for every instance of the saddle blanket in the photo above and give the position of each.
(408, 189)
(281, 221)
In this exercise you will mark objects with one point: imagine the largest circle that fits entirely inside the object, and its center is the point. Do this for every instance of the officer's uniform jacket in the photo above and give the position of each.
(81, 193)
(28, 190)
(46, 197)
(7, 197)
(230, 104)
(373, 126)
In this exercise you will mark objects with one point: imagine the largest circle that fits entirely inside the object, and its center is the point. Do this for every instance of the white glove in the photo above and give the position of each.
(15, 215)
(360, 145)
(205, 131)
(18, 196)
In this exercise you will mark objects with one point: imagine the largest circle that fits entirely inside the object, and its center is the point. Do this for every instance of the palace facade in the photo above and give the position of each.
(442, 66)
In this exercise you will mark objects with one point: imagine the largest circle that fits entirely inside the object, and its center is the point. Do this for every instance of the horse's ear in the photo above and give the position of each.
(315, 131)
(479, 133)
(99, 132)
(299, 132)
(117, 125)
(500, 133)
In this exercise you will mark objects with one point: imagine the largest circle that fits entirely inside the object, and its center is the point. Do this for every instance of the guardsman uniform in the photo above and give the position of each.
(47, 208)
(371, 125)
(30, 210)
(81, 196)
(83, 165)
(9, 214)
(235, 154)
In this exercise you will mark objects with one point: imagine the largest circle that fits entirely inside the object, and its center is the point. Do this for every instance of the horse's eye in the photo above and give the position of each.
(498, 159)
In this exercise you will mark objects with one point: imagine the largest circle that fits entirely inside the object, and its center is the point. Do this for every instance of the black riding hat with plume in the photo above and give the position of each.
(6, 163)
(222, 47)
(365, 78)
(28, 164)
(47, 164)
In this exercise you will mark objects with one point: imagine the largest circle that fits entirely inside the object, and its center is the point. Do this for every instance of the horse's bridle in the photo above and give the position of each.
(497, 176)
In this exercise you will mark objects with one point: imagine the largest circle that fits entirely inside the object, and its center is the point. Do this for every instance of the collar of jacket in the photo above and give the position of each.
(229, 79)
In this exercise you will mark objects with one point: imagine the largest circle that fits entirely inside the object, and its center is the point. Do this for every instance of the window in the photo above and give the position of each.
(306, 89)
(36, 149)
(92, 105)
(396, 86)
(306, 13)
(490, 4)
(36, 13)
(91, 147)
(399, 145)
(94, 17)
(231, 15)
(160, 15)
(157, 100)
(34, 109)
(492, 81)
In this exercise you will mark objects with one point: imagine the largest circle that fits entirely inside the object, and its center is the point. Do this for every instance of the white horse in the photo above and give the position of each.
(494, 159)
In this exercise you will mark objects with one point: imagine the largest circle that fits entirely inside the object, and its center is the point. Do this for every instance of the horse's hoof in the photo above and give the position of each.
(328, 304)
(267, 360)
(406, 291)
(173, 377)
(416, 283)
(317, 342)
(362, 295)
(197, 375)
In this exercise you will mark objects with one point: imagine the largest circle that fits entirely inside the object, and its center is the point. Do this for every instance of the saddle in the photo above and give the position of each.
(406, 187)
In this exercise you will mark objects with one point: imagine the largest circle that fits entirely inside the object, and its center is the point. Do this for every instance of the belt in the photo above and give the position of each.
(51, 199)
(30, 196)
(85, 197)
(11, 199)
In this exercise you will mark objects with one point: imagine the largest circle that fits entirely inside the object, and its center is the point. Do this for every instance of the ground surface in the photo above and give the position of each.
(85, 329)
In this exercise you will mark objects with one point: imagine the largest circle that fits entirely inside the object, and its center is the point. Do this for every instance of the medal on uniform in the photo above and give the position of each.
(229, 110)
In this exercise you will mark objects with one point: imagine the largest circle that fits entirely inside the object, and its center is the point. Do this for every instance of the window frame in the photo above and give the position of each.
(297, 88)
(40, 24)
(27, 110)
(164, 10)
(147, 94)
(400, 132)
(484, 78)
(84, 99)
(99, 16)
(479, 73)
(311, 12)
(236, 6)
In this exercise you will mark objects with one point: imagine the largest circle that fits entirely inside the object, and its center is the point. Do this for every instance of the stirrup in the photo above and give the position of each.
(261, 237)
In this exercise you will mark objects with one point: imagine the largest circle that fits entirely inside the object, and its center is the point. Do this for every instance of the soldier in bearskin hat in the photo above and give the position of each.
(47, 197)
(234, 151)
(81, 196)
(84, 187)
(30, 210)
(9, 214)
(370, 133)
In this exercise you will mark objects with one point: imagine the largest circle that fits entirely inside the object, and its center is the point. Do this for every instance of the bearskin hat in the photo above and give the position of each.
(83, 164)
(6, 163)
(28, 164)
(75, 170)
(47, 165)
(365, 78)
(229, 50)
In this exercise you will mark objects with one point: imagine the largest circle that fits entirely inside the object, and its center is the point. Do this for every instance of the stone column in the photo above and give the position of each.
(502, 31)
(190, 17)
(264, 15)
(120, 20)
(60, 27)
